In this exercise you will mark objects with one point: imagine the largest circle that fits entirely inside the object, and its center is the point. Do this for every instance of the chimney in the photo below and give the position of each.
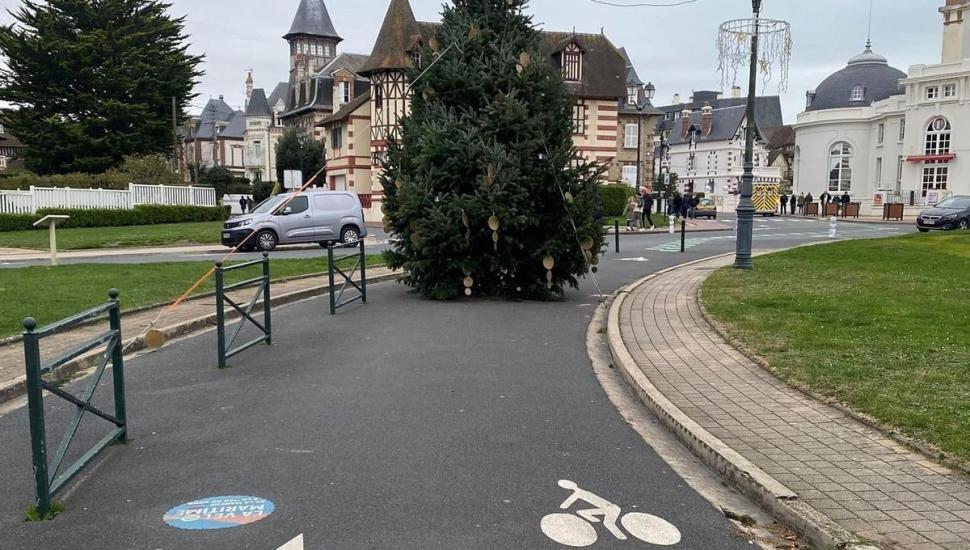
(249, 85)
(676, 100)
(736, 92)
(707, 119)
(955, 30)
(221, 97)
(685, 122)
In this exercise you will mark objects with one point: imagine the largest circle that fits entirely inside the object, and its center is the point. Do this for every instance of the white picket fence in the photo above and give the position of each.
(28, 202)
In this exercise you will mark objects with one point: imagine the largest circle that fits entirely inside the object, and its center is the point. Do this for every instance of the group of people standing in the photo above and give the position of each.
(638, 208)
(246, 204)
(799, 204)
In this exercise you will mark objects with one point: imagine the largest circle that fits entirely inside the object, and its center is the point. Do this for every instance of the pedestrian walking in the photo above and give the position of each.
(646, 204)
(695, 201)
(243, 204)
(678, 207)
(251, 203)
(791, 203)
(630, 213)
(801, 204)
(784, 205)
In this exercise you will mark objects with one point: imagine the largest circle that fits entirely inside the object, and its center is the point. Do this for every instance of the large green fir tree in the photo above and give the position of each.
(93, 81)
(484, 188)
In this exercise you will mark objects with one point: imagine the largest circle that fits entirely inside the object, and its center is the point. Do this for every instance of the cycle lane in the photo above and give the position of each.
(404, 424)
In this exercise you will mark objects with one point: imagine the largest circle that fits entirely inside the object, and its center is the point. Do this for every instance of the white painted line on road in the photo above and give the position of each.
(295, 544)
(641, 259)
(578, 531)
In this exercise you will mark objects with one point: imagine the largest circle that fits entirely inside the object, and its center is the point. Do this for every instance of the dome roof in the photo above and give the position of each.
(870, 72)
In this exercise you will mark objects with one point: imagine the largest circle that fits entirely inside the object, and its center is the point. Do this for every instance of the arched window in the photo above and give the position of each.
(938, 137)
(858, 94)
(840, 168)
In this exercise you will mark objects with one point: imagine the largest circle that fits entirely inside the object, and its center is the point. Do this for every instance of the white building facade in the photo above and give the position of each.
(887, 136)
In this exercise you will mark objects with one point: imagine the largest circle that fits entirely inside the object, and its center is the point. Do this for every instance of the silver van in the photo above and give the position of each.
(314, 216)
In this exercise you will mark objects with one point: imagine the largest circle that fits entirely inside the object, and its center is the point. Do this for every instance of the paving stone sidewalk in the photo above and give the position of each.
(854, 475)
(12, 366)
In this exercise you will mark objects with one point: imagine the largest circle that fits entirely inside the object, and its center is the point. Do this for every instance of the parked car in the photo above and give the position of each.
(315, 216)
(952, 213)
(706, 209)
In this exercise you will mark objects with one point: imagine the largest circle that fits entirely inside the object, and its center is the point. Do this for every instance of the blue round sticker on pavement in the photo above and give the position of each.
(219, 513)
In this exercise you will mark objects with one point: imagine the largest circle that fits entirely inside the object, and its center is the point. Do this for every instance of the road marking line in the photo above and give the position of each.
(295, 544)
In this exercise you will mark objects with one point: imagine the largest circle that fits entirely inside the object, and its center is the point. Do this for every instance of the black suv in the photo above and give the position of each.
(953, 213)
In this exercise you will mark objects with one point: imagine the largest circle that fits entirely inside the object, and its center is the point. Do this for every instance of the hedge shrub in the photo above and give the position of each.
(615, 198)
(148, 214)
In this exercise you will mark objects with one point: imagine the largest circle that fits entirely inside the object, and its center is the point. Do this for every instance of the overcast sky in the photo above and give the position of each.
(672, 47)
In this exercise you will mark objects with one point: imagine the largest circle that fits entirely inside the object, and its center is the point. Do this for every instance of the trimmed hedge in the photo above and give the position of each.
(615, 198)
(147, 214)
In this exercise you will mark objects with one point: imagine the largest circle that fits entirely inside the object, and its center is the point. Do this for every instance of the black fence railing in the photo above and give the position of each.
(262, 283)
(336, 267)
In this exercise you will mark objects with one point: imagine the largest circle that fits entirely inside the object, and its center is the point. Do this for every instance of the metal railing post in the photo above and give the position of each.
(118, 364)
(363, 273)
(616, 234)
(330, 268)
(220, 316)
(35, 405)
(683, 235)
(267, 305)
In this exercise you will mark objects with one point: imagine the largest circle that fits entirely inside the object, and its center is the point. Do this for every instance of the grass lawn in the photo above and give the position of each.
(881, 325)
(51, 294)
(174, 234)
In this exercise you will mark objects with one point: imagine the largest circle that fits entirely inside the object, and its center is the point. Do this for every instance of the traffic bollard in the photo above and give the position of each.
(616, 234)
(833, 227)
(683, 235)
(671, 228)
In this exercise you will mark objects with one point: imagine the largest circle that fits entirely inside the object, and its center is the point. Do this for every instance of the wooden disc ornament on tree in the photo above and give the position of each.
(464, 219)
(434, 44)
(587, 244)
(474, 32)
(548, 262)
(428, 93)
(569, 197)
(469, 282)
(494, 223)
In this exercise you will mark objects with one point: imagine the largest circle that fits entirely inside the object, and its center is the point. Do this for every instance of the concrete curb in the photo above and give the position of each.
(16, 388)
(775, 497)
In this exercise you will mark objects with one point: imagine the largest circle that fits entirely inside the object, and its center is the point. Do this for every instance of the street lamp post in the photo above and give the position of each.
(746, 206)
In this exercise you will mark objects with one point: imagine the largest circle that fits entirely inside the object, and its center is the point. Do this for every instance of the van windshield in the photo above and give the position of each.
(268, 205)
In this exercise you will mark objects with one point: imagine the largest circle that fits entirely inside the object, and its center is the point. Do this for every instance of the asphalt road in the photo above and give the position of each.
(400, 424)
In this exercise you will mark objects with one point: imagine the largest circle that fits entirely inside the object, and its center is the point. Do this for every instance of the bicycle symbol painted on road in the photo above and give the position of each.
(578, 530)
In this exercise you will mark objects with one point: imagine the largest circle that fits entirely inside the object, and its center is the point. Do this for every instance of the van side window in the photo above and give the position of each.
(334, 202)
(299, 205)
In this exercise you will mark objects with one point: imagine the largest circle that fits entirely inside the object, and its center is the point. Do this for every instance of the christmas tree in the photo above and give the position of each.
(483, 188)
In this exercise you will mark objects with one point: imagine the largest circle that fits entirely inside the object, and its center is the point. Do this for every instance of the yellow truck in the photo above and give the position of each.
(765, 198)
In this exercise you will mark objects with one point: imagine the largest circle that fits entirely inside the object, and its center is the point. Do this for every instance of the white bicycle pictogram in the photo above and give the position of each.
(578, 530)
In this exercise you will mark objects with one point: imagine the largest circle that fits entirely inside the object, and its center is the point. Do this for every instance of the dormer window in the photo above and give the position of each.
(415, 57)
(572, 63)
(343, 92)
(858, 94)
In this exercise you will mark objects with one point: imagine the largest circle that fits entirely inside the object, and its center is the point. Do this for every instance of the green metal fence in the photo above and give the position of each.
(226, 349)
(337, 294)
(48, 478)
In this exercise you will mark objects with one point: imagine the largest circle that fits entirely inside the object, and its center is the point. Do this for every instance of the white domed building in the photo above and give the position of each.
(883, 135)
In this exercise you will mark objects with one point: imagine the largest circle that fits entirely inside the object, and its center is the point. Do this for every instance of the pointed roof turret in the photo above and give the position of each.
(258, 106)
(398, 35)
(312, 19)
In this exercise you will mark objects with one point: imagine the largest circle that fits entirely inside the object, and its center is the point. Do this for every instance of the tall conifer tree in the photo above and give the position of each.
(93, 82)
(484, 188)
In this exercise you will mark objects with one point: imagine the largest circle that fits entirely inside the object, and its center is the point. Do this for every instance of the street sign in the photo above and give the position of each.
(292, 179)
(50, 222)
(219, 513)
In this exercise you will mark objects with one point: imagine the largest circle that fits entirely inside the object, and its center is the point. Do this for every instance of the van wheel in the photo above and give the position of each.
(349, 234)
(266, 240)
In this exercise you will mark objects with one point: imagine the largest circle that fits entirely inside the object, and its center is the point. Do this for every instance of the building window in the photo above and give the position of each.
(1, 129)
(840, 168)
(630, 174)
(378, 96)
(932, 92)
(878, 173)
(327, 51)
(572, 63)
(257, 150)
(343, 93)
(631, 134)
(858, 94)
(900, 162)
(632, 95)
(337, 137)
(934, 178)
(579, 119)
(950, 90)
(882, 133)
(416, 58)
(902, 130)
(938, 137)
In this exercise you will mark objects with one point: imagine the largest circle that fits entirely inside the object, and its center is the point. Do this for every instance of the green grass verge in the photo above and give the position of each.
(881, 325)
(175, 234)
(51, 294)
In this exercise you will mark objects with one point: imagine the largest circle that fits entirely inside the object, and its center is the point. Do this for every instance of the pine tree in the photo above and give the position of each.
(484, 188)
(93, 82)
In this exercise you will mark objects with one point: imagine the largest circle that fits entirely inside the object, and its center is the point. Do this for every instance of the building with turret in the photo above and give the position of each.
(611, 106)
(882, 135)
